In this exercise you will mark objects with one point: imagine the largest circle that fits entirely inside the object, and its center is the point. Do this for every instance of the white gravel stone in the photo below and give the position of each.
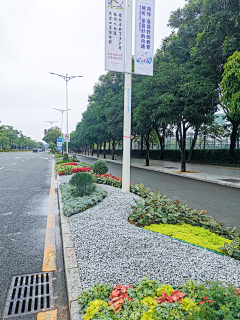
(111, 250)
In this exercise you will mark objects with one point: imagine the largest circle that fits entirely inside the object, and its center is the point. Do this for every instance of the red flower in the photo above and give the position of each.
(209, 301)
(205, 298)
(201, 302)
(60, 173)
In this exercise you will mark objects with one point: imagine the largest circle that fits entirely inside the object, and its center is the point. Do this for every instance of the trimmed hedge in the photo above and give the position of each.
(207, 156)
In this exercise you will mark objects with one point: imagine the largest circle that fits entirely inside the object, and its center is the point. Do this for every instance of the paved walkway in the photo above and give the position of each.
(227, 176)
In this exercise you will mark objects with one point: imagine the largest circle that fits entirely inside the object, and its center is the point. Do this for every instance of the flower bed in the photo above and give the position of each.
(156, 209)
(194, 235)
(73, 205)
(152, 300)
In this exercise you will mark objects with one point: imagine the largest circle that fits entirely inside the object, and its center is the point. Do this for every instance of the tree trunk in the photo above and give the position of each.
(88, 150)
(98, 150)
(147, 150)
(104, 149)
(235, 125)
(85, 150)
(109, 146)
(92, 149)
(182, 143)
(193, 144)
(141, 153)
(113, 149)
(183, 147)
(204, 142)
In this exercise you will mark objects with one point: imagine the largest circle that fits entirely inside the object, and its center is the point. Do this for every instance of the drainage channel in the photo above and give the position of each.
(28, 294)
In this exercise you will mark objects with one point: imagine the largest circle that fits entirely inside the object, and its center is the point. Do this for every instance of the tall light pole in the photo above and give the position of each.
(62, 121)
(127, 102)
(51, 122)
(66, 78)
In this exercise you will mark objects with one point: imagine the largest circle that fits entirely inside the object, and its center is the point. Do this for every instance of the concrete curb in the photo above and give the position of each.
(185, 175)
(73, 281)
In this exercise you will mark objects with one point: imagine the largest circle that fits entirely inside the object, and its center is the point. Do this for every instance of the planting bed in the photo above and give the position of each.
(111, 250)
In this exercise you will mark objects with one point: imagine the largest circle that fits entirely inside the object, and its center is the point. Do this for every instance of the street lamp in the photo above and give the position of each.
(51, 122)
(66, 78)
(62, 119)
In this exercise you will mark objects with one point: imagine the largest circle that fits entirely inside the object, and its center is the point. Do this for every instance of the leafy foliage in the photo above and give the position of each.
(99, 291)
(73, 205)
(158, 209)
(192, 301)
(195, 235)
(100, 167)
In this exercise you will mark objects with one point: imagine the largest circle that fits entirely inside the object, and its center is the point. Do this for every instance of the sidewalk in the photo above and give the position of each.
(227, 176)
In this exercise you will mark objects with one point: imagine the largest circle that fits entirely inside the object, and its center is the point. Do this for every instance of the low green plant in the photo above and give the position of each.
(99, 291)
(195, 235)
(157, 209)
(83, 183)
(206, 301)
(232, 249)
(73, 205)
(100, 167)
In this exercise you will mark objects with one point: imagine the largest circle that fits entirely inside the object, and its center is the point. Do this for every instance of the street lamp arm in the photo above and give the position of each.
(58, 75)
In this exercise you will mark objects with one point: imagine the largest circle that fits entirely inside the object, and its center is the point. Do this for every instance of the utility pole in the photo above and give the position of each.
(66, 78)
(127, 102)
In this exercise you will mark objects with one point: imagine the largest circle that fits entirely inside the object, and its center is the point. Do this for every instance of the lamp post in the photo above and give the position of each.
(51, 122)
(66, 78)
(62, 121)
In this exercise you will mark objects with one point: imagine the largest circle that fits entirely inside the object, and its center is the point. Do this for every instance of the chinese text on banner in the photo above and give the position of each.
(144, 37)
(115, 35)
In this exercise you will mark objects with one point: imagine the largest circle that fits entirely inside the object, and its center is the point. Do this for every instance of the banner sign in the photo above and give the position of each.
(59, 143)
(66, 137)
(144, 37)
(115, 35)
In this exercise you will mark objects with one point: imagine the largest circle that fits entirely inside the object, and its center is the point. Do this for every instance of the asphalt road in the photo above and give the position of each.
(25, 179)
(222, 203)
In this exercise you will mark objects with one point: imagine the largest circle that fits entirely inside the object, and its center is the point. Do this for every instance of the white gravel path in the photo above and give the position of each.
(110, 250)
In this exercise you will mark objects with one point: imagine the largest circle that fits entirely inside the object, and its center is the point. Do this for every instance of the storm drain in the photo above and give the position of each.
(29, 294)
(170, 167)
(231, 180)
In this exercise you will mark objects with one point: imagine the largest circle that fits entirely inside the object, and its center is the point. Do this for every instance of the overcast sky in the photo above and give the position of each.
(61, 36)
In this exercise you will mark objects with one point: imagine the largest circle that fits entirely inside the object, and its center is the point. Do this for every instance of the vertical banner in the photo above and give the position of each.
(144, 37)
(115, 35)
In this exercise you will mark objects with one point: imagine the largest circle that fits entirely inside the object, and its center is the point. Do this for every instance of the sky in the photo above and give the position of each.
(60, 36)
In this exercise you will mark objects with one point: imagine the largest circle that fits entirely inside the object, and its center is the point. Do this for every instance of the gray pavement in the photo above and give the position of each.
(24, 198)
(227, 176)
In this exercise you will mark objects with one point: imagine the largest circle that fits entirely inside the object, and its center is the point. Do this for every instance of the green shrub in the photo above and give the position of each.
(73, 205)
(158, 209)
(83, 183)
(100, 167)
(195, 235)
(65, 157)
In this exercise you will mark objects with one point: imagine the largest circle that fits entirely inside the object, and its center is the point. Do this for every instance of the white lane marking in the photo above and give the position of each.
(7, 214)
(13, 164)
(18, 158)
(1, 168)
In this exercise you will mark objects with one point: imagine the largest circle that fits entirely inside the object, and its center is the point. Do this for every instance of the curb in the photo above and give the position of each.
(73, 281)
(186, 175)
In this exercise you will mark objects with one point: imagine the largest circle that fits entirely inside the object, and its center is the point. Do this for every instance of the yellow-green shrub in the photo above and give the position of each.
(195, 235)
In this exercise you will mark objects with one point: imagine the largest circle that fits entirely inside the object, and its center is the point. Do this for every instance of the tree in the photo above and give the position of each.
(230, 99)
(51, 135)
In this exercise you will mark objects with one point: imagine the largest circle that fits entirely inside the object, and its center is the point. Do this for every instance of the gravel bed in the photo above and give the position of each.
(110, 250)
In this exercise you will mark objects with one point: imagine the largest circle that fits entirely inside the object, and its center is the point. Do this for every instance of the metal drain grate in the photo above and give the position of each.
(29, 294)
(231, 180)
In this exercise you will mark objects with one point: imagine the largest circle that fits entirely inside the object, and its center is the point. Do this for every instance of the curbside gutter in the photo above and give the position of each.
(73, 281)
(185, 175)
